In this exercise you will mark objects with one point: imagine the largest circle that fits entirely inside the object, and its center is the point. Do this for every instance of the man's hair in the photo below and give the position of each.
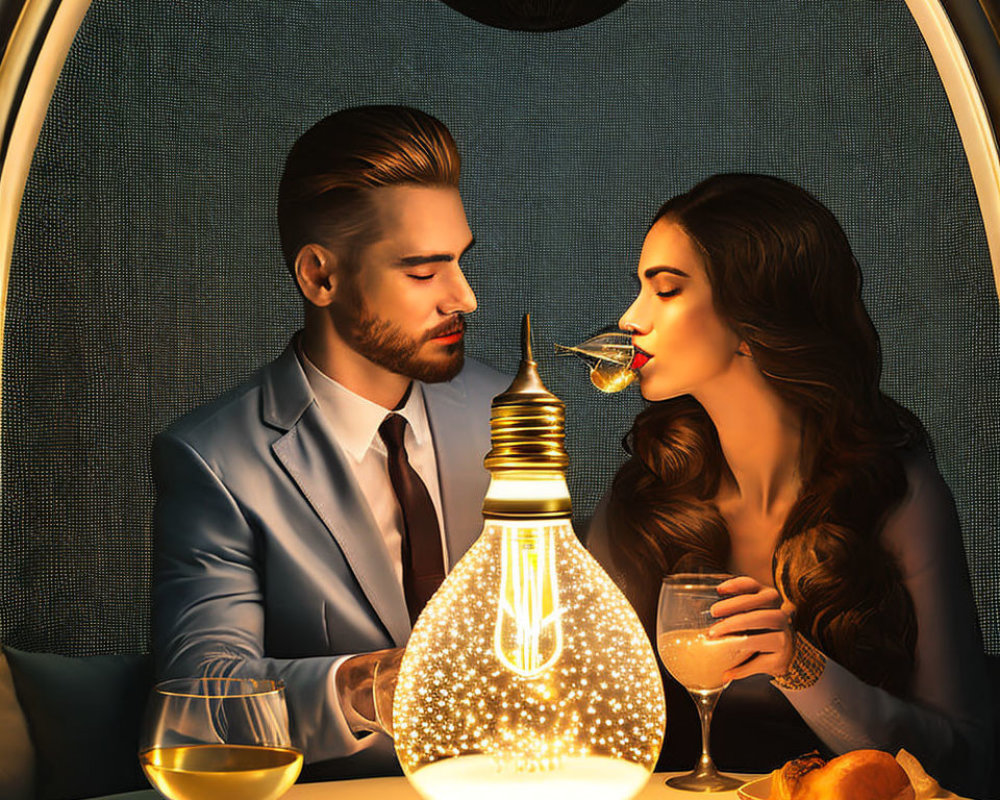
(324, 192)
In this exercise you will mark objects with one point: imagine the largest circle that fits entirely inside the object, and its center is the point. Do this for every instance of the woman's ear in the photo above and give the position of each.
(316, 274)
(744, 349)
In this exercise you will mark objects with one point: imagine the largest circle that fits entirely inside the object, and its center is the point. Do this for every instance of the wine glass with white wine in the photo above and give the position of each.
(697, 661)
(218, 739)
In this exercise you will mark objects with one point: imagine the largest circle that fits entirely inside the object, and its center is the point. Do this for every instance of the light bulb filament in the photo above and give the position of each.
(528, 633)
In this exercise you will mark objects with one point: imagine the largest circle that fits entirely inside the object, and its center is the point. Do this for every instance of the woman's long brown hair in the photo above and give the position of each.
(784, 278)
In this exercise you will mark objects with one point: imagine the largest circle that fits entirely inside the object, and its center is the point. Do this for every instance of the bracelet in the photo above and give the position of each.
(806, 666)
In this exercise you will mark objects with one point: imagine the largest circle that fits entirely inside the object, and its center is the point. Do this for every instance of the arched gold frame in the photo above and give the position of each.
(31, 66)
(32, 61)
(971, 114)
(44, 32)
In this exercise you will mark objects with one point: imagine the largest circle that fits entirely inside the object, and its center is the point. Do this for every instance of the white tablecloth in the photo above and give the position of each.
(400, 789)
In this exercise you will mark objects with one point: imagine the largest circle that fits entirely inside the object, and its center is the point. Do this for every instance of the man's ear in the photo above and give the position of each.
(316, 274)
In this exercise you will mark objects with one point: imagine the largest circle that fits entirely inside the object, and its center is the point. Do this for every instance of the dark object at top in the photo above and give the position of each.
(535, 15)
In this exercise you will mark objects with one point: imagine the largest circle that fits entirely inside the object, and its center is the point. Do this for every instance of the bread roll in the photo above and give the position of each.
(857, 775)
(785, 780)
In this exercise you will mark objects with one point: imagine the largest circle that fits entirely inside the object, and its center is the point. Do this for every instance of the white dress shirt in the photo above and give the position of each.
(354, 422)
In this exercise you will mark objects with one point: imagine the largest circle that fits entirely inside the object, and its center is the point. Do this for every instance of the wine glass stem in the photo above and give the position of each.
(706, 705)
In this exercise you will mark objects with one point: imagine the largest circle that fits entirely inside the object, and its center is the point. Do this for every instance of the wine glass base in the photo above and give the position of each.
(704, 782)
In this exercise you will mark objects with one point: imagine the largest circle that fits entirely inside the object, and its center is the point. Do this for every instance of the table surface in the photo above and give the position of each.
(400, 789)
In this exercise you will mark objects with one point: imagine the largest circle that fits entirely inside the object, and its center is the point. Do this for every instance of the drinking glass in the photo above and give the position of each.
(218, 739)
(611, 358)
(696, 661)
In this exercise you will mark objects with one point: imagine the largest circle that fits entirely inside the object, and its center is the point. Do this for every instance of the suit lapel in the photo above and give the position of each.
(463, 479)
(318, 468)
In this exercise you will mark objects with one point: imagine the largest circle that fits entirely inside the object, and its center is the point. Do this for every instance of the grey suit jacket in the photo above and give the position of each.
(267, 561)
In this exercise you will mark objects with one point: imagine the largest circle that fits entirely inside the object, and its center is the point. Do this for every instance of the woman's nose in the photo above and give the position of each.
(630, 320)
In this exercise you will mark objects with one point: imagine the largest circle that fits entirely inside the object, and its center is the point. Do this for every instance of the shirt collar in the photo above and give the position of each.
(355, 420)
(415, 412)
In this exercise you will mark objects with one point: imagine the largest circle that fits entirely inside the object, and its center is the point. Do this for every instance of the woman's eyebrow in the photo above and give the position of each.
(652, 272)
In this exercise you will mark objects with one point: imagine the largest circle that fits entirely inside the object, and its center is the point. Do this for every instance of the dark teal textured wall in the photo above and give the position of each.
(147, 277)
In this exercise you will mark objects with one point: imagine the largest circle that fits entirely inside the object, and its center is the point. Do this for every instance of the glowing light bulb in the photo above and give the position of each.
(528, 671)
(528, 635)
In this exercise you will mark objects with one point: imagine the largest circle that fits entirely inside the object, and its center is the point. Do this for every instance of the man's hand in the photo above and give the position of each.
(384, 689)
(367, 682)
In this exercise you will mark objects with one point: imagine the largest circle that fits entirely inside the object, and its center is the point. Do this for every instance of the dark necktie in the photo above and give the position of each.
(423, 563)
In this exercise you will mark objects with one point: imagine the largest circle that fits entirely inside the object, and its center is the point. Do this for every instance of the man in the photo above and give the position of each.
(304, 518)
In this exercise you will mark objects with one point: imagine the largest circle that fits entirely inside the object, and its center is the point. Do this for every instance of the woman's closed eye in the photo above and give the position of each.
(669, 292)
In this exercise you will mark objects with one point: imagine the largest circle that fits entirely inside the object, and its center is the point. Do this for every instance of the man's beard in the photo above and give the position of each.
(383, 342)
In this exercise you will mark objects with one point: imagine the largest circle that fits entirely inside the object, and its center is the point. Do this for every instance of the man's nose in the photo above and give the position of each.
(460, 298)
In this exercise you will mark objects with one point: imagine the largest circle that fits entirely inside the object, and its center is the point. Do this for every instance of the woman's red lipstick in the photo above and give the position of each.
(640, 359)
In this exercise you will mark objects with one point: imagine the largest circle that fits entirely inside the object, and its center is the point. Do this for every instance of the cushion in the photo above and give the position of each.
(17, 756)
(84, 716)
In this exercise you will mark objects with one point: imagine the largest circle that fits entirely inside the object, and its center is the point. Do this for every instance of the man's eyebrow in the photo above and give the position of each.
(652, 272)
(430, 258)
(434, 258)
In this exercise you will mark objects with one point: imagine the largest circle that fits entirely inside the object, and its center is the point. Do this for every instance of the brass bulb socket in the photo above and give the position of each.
(527, 509)
(528, 437)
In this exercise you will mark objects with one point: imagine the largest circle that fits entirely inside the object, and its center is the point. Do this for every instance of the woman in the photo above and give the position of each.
(770, 453)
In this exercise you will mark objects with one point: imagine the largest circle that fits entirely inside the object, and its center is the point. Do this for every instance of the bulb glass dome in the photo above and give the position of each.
(528, 671)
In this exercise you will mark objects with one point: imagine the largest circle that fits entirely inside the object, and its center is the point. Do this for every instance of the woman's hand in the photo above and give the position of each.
(756, 611)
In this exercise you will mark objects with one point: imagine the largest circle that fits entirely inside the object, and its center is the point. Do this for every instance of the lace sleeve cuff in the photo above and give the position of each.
(805, 668)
